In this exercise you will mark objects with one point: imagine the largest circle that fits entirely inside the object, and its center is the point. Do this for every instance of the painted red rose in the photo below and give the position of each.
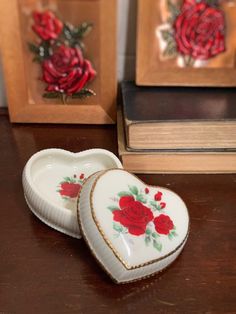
(163, 205)
(163, 224)
(158, 196)
(66, 71)
(146, 190)
(125, 200)
(70, 189)
(46, 25)
(133, 215)
(200, 30)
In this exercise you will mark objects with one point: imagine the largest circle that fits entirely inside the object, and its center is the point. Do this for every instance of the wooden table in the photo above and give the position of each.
(44, 271)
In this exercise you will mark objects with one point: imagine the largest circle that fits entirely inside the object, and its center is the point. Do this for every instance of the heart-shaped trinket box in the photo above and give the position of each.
(134, 230)
(52, 179)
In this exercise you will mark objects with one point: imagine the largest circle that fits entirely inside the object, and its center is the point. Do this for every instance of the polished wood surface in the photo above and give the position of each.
(44, 271)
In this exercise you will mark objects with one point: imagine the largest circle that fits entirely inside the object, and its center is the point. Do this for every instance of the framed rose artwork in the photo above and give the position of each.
(186, 42)
(59, 60)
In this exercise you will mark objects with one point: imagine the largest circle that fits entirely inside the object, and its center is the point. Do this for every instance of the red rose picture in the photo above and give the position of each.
(194, 33)
(66, 71)
(60, 52)
(163, 224)
(133, 215)
(46, 25)
(199, 30)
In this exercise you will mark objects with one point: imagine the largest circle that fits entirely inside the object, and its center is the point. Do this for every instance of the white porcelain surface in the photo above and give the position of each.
(133, 229)
(52, 179)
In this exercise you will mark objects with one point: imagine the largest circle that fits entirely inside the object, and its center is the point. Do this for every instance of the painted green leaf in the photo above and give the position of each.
(175, 234)
(74, 34)
(141, 198)
(174, 11)
(68, 179)
(124, 193)
(148, 231)
(41, 52)
(84, 93)
(76, 43)
(166, 35)
(170, 49)
(157, 245)
(67, 31)
(154, 205)
(112, 208)
(147, 240)
(133, 190)
(45, 49)
(82, 30)
(51, 95)
(33, 48)
(117, 227)
(155, 235)
(170, 236)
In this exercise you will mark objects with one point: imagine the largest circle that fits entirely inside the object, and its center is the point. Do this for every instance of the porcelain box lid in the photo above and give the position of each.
(133, 229)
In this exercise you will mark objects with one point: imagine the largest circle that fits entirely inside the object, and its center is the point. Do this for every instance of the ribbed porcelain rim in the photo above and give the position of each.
(28, 184)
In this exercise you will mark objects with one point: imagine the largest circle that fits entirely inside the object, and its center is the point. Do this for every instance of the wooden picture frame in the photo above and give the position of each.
(23, 86)
(169, 51)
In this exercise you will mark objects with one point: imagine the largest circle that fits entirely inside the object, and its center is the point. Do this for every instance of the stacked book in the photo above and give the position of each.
(177, 130)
